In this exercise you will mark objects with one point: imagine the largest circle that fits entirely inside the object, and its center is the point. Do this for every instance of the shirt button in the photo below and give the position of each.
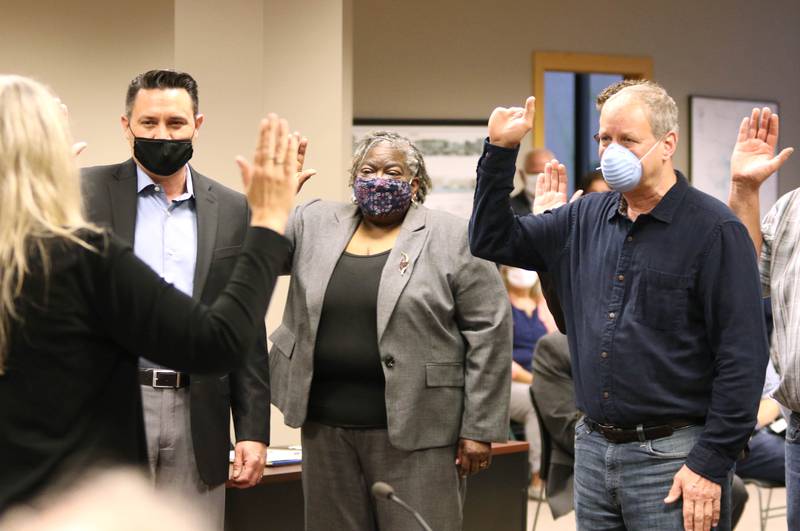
(388, 361)
(621, 278)
(157, 188)
(630, 238)
(604, 354)
(605, 394)
(611, 315)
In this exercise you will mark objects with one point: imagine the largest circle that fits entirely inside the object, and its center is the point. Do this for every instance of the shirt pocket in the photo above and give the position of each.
(444, 374)
(663, 300)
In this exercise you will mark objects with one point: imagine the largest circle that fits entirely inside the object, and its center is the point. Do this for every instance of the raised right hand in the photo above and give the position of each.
(753, 159)
(551, 188)
(302, 174)
(508, 126)
(270, 183)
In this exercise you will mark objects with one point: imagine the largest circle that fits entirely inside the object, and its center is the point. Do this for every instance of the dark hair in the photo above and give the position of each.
(161, 79)
(589, 178)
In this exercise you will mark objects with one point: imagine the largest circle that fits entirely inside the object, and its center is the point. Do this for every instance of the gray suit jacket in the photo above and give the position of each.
(110, 196)
(554, 398)
(444, 327)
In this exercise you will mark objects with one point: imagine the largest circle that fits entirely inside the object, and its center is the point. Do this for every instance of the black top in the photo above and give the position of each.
(348, 385)
(70, 396)
(663, 314)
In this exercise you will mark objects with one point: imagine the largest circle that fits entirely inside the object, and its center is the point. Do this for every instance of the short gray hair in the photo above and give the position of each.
(413, 158)
(661, 108)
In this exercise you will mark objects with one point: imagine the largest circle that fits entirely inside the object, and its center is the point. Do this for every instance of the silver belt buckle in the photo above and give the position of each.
(156, 385)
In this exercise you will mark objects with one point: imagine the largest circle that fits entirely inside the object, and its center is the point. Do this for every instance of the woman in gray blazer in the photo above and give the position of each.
(394, 352)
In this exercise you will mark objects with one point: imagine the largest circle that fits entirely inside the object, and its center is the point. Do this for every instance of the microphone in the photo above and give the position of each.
(381, 490)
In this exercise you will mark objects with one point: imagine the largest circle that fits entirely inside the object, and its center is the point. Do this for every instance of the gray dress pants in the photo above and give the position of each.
(171, 453)
(341, 464)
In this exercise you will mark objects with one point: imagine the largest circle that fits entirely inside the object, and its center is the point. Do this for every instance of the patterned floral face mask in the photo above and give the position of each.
(382, 197)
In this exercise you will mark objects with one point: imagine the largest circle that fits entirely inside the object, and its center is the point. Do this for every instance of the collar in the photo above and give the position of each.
(665, 209)
(143, 182)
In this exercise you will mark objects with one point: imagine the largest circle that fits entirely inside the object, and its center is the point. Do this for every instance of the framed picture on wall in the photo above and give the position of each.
(451, 149)
(714, 125)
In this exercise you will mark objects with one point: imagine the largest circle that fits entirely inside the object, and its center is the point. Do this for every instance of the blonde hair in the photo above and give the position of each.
(661, 108)
(39, 188)
(534, 293)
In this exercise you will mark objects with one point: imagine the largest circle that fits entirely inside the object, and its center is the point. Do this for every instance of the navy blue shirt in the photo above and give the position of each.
(663, 315)
(527, 331)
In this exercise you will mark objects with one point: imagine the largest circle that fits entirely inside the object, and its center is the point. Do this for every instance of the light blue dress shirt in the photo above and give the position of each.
(166, 234)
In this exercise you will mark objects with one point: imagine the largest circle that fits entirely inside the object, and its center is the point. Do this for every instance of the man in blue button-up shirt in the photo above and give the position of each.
(189, 229)
(659, 287)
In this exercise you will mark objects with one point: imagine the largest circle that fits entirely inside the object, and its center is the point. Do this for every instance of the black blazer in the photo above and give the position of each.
(70, 396)
(110, 197)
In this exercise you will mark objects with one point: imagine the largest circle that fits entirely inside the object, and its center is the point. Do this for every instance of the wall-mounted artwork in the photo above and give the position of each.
(451, 149)
(714, 125)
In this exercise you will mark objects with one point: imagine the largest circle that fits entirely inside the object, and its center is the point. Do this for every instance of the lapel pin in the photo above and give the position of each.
(403, 263)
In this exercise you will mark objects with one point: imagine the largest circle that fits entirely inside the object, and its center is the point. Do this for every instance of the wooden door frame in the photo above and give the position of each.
(631, 67)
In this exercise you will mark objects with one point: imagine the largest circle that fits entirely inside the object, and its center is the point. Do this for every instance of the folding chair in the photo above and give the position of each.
(765, 508)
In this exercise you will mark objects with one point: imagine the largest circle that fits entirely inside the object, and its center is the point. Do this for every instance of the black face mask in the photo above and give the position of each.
(162, 157)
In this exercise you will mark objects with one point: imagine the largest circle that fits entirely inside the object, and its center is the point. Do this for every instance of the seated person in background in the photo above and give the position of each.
(555, 400)
(767, 458)
(522, 203)
(532, 320)
(594, 182)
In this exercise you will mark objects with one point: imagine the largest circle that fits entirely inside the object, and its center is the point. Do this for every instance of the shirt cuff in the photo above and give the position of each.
(497, 158)
(709, 463)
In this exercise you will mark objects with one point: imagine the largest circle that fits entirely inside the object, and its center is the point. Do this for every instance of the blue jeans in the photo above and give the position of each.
(766, 460)
(793, 471)
(623, 486)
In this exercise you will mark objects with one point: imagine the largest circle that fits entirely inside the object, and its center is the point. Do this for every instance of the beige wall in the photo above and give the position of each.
(257, 63)
(87, 53)
(457, 59)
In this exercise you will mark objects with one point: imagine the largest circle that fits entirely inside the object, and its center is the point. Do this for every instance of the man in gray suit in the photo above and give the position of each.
(189, 229)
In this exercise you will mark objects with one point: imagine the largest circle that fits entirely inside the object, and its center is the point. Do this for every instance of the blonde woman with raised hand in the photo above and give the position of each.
(77, 307)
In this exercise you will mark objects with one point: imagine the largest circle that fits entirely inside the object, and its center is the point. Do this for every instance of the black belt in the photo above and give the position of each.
(163, 378)
(641, 433)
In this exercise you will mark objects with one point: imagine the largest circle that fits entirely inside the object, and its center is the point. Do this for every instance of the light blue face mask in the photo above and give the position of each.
(621, 168)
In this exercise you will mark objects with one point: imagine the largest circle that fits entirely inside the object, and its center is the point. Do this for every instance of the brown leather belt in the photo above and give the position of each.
(163, 378)
(641, 433)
